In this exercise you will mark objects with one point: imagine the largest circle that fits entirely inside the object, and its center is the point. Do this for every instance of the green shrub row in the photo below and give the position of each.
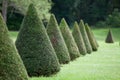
(43, 49)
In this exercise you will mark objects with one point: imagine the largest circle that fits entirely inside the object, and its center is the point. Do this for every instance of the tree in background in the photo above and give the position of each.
(14, 10)
(91, 11)
(113, 20)
(63, 8)
(42, 6)
(11, 14)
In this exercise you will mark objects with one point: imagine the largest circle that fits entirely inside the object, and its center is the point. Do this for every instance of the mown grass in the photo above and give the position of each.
(13, 35)
(102, 33)
(101, 65)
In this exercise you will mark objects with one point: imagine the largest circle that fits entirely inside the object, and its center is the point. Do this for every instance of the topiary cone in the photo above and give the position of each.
(11, 65)
(78, 39)
(94, 38)
(91, 38)
(35, 47)
(69, 40)
(85, 37)
(57, 40)
(109, 38)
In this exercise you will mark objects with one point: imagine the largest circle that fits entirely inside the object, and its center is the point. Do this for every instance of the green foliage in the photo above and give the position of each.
(91, 11)
(85, 36)
(79, 39)
(91, 37)
(35, 47)
(116, 3)
(42, 6)
(63, 8)
(94, 38)
(101, 24)
(14, 21)
(113, 20)
(69, 40)
(11, 65)
(109, 38)
(57, 40)
(17, 9)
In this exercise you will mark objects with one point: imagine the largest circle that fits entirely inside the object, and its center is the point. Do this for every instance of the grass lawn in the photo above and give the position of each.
(101, 65)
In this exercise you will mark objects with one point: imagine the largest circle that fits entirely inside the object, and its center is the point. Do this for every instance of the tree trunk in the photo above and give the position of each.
(4, 9)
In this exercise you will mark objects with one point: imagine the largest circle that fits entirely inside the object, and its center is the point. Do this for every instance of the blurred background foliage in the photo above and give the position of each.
(98, 13)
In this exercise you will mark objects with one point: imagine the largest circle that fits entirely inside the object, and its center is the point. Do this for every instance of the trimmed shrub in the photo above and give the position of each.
(94, 38)
(11, 65)
(69, 40)
(85, 37)
(91, 38)
(35, 47)
(78, 39)
(57, 40)
(109, 38)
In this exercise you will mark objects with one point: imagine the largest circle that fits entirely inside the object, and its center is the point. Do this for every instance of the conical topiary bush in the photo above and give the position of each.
(69, 40)
(109, 38)
(85, 37)
(35, 47)
(11, 65)
(57, 40)
(91, 38)
(78, 39)
(94, 38)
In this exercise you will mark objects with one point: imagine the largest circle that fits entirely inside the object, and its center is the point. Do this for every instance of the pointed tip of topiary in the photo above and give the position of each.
(52, 22)
(52, 17)
(63, 19)
(31, 11)
(63, 23)
(76, 23)
(81, 23)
